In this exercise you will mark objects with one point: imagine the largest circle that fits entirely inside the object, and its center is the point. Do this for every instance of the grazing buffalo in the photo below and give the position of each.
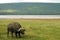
(16, 28)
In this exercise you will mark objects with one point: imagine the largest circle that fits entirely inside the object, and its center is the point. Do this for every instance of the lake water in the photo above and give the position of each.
(30, 16)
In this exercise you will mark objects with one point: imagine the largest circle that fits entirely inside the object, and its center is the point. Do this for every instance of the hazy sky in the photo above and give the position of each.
(12, 1)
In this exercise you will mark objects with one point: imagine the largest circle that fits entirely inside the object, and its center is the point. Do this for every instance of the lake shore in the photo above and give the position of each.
(29, 16)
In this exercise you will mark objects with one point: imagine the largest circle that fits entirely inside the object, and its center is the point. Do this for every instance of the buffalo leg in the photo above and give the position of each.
(7, 33)
(16, 34)
(12, 34)
(19, 35)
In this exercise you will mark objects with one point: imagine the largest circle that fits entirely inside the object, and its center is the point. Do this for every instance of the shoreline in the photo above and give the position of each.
(29, 16)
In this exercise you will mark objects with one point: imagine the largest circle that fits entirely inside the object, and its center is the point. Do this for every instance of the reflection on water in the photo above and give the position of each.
(31, 16)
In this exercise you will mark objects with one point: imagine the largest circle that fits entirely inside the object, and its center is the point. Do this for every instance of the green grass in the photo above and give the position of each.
(35, 29)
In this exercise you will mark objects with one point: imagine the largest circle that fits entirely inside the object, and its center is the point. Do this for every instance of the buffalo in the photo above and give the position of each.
(15, 28)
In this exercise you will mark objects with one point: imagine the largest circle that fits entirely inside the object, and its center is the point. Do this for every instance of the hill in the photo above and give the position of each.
(30, 9)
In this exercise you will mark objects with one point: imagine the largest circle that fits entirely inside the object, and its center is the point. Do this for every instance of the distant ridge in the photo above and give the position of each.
(30, 9)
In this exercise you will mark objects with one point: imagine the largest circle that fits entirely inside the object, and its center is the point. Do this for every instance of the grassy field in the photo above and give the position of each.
(35, 29)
